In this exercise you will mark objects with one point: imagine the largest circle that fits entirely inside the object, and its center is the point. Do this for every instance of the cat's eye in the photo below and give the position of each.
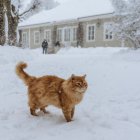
(78, 84)
(85, 84)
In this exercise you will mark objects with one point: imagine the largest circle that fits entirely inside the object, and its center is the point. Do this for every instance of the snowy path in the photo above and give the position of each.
(109, 111)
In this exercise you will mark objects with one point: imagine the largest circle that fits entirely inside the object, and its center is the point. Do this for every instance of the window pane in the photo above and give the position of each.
(108, 32)
(36, 37)
(91, 32)
(48, 36)
(106, 36)
(24, 38)
(67, 34)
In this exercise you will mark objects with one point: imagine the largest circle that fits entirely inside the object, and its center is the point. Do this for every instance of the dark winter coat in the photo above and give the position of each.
(44, 44)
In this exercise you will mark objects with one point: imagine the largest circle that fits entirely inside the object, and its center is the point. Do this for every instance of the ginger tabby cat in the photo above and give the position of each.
(52, 90)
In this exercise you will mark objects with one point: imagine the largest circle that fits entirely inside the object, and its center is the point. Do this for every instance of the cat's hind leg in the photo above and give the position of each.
(32, 111)
(44, 110)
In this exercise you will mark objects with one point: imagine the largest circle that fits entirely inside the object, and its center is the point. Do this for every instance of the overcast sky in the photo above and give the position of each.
(61, 1)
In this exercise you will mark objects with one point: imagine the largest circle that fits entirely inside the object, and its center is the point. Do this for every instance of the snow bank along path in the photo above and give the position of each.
(109, 111)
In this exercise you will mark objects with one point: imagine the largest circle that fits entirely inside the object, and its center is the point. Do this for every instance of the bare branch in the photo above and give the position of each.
(33, 7)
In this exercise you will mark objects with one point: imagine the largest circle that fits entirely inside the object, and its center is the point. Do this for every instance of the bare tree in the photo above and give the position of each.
(11, 8)
(2, 23)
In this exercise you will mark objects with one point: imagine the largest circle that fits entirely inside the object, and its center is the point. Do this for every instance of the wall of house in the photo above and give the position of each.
(41, 31)
(98, 41)
(63, 26)
(99, 34)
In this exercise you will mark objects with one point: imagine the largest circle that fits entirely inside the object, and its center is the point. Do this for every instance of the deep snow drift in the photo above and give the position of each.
(109, 111)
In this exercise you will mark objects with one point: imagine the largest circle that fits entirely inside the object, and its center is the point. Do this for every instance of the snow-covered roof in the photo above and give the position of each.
(71, 9)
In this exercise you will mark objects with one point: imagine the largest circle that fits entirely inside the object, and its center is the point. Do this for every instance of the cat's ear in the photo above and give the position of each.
(84, 76)
(72, 76)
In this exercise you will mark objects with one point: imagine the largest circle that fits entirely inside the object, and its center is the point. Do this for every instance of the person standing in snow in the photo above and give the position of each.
(45, 46)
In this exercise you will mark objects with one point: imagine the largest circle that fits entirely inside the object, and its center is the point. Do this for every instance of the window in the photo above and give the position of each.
(67, 34)
(108, 35)
(59, 35)
(24, 38)
(91, 32)
(47, 35)
(74, 34)
(36, 37)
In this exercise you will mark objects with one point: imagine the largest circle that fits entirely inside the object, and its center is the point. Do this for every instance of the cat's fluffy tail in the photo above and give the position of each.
(22, 74)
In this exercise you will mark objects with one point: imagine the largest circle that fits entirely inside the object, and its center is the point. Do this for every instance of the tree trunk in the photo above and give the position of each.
(12, 23)
(2, 23)
(9, 19)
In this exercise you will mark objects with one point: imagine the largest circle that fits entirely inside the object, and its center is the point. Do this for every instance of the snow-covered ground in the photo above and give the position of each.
(109, 111)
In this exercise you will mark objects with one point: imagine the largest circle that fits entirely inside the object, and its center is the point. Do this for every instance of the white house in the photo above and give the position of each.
(85, 23)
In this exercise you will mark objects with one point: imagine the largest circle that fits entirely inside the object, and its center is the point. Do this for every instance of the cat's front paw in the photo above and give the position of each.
(69, 120)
